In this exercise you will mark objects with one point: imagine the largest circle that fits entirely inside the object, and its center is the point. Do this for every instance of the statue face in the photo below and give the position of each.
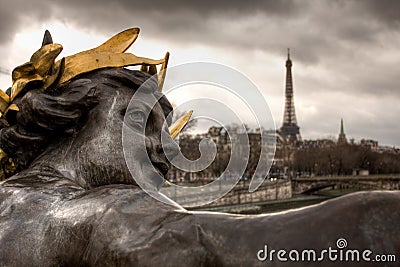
(97, 150)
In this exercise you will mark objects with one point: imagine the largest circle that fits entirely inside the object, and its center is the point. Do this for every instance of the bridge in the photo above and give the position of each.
(284, 194)
(240, 194)
(310, 185)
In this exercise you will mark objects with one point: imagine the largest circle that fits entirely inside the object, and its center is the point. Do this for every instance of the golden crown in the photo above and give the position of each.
(45, 73)
(42, 71)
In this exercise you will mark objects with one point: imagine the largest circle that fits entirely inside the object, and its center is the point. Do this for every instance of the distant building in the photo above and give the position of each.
(372, 144)
(388, 149)
(289, 131)
(318, 143)
(248, 147)
(342, 136)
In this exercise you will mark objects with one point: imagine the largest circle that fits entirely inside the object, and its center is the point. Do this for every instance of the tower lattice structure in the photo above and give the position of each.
(289, 131)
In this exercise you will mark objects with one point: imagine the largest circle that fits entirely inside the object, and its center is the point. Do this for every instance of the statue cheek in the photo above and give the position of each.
(101, 164)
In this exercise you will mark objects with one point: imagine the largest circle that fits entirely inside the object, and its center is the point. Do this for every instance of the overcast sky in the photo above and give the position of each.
(345, 53)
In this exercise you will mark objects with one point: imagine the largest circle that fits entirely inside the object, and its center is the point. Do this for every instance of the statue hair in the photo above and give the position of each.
(45, 117)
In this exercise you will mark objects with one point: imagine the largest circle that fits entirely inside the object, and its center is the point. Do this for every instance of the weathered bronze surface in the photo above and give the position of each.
(73, 201)
(70, 207)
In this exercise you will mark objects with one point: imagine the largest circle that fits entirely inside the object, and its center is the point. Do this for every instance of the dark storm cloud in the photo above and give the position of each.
(171, 15)
(316, 29)
(313, 27)
(352, 44)
(202, 7)
(15, 14)
(388, 11)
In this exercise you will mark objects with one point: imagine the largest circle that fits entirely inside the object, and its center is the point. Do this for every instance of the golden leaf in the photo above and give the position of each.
(85, 62)
(43, 59)
(119, 43)
(180, 123)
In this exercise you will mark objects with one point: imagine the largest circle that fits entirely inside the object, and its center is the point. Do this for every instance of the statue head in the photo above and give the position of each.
(66, 118)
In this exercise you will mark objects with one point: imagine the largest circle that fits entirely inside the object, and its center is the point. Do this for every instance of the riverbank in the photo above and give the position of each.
(272, 206)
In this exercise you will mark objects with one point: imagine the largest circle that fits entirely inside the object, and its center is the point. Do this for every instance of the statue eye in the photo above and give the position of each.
(136, 119)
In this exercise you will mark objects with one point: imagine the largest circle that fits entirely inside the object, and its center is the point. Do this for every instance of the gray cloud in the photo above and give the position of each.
(388, 11)
(355, 42)
(313, 27)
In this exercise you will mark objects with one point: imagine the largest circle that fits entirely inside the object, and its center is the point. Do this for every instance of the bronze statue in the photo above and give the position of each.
(71, 200)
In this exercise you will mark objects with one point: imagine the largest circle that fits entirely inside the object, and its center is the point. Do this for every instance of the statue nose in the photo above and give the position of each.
(167, 146)
(171, 150)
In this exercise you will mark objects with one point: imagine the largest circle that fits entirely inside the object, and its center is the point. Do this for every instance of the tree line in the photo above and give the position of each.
(344, 160)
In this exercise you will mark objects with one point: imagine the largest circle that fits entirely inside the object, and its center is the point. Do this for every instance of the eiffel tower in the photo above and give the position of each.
(289, 131)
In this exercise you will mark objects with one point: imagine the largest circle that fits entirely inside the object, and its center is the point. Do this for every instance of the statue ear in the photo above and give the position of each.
(47, 38)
